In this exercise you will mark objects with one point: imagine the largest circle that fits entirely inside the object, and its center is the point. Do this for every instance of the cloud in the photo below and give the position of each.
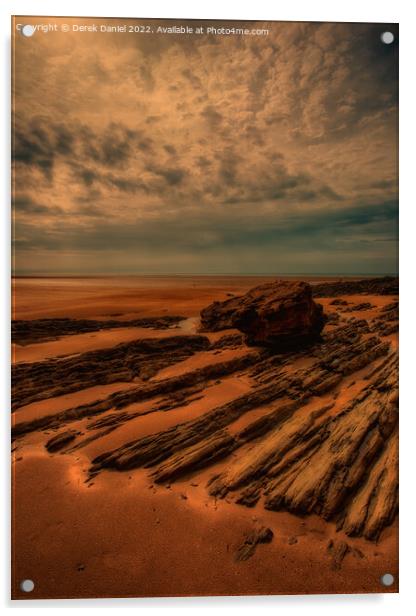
(24, 204)
(40, 143)
(259, 153)
(212, 116)
(111, 148)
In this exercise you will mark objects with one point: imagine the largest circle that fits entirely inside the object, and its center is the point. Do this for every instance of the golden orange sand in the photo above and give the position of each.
(122, 536)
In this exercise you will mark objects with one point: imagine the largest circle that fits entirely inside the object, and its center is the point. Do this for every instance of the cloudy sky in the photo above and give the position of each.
(161, 153)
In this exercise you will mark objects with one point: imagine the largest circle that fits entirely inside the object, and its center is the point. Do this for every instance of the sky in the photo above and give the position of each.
(148, 153)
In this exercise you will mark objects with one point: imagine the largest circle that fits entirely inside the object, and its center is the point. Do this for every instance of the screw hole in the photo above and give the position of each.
(387, 579)
(387, 38)
(28, 30)
(27, 585)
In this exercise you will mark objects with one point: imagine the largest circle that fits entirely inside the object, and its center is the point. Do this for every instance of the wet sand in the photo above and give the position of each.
(127, 297)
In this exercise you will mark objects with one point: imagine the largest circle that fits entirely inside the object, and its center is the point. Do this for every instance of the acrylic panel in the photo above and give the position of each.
(205, 307)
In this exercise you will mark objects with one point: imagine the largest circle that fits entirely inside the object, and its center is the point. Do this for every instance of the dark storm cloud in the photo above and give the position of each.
(87, 152)
(40, 143)
(323, 192)
(23, 204)
(212, 116)
(112, 148)
(170, 149)
(129, 186)
(89, 178)
(228, 166)
(172, 176)
(152, 119)
(195, 81)
(254, 135)
(336, 231)
(385, 184)
(203, 162)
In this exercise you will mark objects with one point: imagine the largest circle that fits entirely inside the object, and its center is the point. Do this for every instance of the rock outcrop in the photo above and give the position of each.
(338, 461)
(386, 285)
(60, 440)
(312, 430)
(44, 330)
(139, 359)
(279, 314)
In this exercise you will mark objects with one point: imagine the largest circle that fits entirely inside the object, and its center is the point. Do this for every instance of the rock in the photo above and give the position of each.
(387, 285)
(123, 362)
(335, 459)
(122, 399)
(218, 315)
(280, 314)
(249, 497)
(338, 551)
(60, 440)
(391, 306)
(387, 322)
(359, 307)
(37, 330)
(228, 341)
(248, 547)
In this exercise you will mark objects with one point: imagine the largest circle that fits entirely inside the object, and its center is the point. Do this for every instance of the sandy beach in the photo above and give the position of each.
(205, 307)
(139, 529)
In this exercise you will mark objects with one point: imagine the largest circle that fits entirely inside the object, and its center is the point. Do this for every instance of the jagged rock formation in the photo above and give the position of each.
(281, 314)
(300, 461)
(228, 341)
(139, 359)
(315, 430)
(42, 330)
(142, 392)
(359, 307)
(386, 285)
(387, 321)
(219, 315)
(60, 440)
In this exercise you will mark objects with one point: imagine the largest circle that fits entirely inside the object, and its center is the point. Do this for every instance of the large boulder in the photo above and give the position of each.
(281, 314)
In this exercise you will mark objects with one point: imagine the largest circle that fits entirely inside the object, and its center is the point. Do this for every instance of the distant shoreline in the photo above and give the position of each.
(123, 276)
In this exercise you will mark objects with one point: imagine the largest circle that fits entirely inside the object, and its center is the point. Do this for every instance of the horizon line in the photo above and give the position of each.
(184, 274)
